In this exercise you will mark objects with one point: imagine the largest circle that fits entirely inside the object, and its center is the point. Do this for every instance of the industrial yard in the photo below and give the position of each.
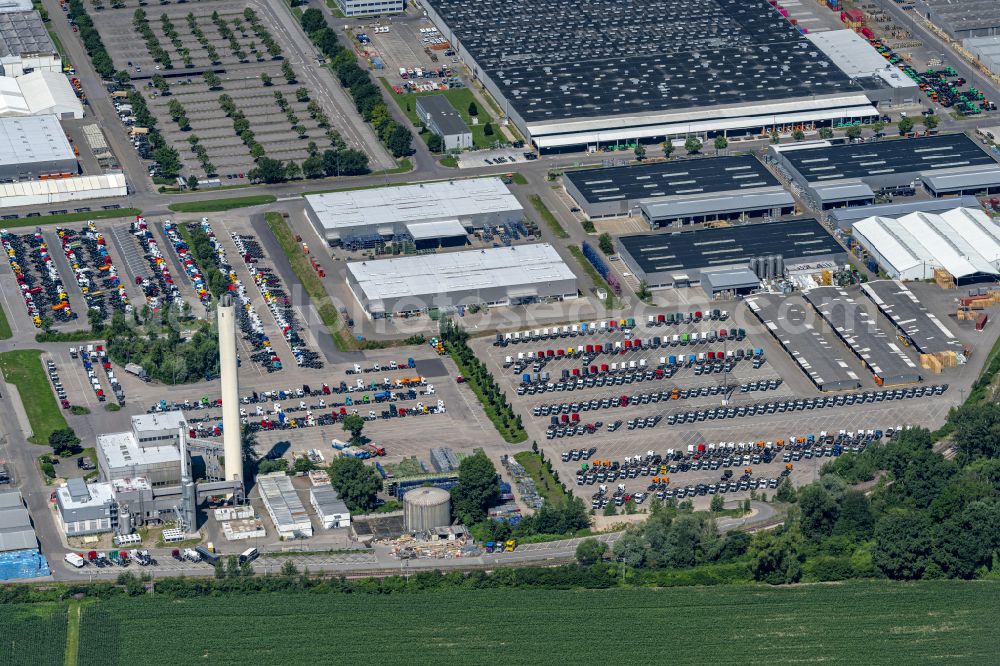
(570, 309)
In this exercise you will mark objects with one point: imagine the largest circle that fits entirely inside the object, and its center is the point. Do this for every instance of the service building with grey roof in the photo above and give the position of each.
(444, 120)
(962, 18)
(502, 276)
(855, 321)
(34, 146)
(681, 259)
(16, 531)
(681, 191)
(847, 174)
(341, 218)
(807, 339)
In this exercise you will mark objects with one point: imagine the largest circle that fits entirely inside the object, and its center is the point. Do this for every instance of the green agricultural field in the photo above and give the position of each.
(32, 634)
(23, 368)
(877, 622)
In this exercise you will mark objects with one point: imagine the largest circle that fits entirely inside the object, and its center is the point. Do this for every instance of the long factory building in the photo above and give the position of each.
(728, 259)
(681, 191)
(517, 275)
(851, 174)
(607, 73)
(426, 213)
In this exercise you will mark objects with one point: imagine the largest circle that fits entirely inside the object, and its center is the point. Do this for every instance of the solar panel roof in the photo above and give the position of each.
(672, 178)
(554, 60)
(705, 248)
(861, 160)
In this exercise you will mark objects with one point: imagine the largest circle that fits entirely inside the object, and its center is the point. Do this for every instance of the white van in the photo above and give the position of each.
(75, 560)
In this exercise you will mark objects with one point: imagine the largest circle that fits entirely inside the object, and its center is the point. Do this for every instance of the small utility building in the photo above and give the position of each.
(439, 212)
(727, 259)
(681, 191)
(963, 241)
(444, 120)
(516, 275)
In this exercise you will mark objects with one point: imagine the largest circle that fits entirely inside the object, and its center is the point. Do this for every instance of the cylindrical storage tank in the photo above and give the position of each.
(426, 508)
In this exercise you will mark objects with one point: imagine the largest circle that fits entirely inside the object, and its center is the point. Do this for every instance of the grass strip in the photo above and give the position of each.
(310, 282)
(218, 205)
(546, 484)
(548, 217)
(23, 369)
(69, 217)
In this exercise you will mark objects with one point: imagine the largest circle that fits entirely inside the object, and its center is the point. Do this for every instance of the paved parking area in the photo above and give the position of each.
(214, 36)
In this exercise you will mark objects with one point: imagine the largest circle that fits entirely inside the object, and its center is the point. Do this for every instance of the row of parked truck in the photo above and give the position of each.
(607, 326)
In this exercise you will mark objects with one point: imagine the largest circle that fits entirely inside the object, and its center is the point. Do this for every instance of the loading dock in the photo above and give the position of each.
(860, 330)
(806, 339)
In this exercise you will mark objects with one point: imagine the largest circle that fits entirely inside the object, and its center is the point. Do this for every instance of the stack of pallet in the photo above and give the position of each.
(938, 361)
(944, 279)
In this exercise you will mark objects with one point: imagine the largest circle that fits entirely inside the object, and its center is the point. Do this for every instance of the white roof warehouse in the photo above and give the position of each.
(387, 211)
(495, 276)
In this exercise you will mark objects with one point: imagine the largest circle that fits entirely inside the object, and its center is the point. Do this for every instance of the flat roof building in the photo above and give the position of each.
(502, 276)
(343, 218)
(25, 44)
(682, 259)
(283, 505)
(922, 328)
(963, 241)
(330, 509)
(680, 191)
(608, 73)
(855, 56)
(858, 326)
(16, 532)
(32, 147)
(444, 120)
(986, 50)
(352, 8)
(37, 94)
(805, 338)
(150, 450)
(86, 508)
(845, 174)
(962, 18)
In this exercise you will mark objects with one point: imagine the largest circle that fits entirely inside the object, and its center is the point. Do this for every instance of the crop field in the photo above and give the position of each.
(32, 634)
(870, 622)
(223, 82)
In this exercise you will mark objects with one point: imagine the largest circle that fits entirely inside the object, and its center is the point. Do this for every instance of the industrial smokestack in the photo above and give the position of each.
(188, 501)
(232, 449)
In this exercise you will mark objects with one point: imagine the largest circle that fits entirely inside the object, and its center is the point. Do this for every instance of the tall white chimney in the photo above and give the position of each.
(232, 449)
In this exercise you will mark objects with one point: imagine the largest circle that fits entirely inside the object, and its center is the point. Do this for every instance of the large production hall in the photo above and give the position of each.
(606, 72)
(694, 190)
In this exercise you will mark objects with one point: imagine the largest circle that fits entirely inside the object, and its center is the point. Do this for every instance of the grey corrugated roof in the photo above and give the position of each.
(772, 197)
(446, 117)
(838, 192)
(855, 213)
(963, 178)
(734, 279)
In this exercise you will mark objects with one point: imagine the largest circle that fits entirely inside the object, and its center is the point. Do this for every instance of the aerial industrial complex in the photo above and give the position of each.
(493, 276)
